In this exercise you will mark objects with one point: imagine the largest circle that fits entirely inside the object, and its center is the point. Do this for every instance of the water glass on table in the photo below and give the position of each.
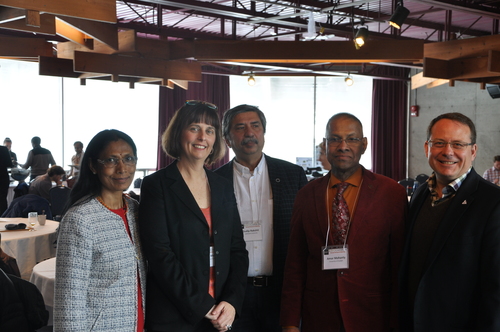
(32, 219)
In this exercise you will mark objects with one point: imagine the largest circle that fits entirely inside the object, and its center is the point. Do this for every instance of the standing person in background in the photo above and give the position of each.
(346, 242)
(191, 231)
(5, 162)
(76, 159)
(493, 174)
(38, 159)
(8, 143)
(100, 272)
(265, 190)
(322, 157)
(450, 271)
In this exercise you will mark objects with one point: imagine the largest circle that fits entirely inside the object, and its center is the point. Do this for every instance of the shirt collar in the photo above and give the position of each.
(449, 190)
(353, 180)
(245, 171)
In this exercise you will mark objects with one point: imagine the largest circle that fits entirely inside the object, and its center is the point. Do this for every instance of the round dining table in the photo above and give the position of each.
(28, 247)
(43, 276)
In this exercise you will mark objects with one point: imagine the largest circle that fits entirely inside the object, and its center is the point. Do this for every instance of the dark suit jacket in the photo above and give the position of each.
(460, 286)
(286, 179)
(176, 243)
(366, 292)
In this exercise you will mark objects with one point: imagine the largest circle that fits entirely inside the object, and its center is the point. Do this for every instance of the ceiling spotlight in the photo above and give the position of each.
(251, 80)
(361, 36)
(399, 16)
(348, 80)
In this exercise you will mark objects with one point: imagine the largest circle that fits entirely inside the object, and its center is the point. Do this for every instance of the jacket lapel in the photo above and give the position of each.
(178, 186)
(320, 199)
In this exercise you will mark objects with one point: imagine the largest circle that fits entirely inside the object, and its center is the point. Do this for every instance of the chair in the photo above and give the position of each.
(59, 197)
(421, 178)
(409, 184)
(21, 206)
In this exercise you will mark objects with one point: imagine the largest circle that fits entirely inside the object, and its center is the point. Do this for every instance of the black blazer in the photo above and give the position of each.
(176, 244)
(286, 179)
(460, 285)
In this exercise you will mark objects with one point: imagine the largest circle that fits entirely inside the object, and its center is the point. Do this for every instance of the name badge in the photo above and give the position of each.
(252, 232)
(335, 257)
(212, 256)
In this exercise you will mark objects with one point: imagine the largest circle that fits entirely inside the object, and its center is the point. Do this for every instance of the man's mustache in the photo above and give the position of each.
(248, 140)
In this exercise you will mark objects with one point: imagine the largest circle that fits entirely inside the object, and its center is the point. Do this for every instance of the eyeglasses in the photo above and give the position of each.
(335, 141)
(443, 144)
(113, 162)
(200, 102)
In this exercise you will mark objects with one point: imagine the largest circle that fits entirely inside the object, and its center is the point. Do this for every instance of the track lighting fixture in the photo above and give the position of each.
(399, 16)
(361, 36)
(251, 80)
(348, 80)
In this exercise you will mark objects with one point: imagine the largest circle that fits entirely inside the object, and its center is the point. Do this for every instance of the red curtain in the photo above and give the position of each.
(213, 89)
(389, 122)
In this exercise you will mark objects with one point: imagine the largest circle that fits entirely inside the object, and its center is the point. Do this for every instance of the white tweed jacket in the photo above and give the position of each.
(96, 270)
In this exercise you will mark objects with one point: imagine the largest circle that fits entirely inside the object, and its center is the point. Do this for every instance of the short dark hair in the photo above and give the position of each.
(232, 112)
(55, 170)
(36, 140)
(78, 142)
(458, 117)
(7, 140)
(88, 183)
(343, 115)
(193, 111)
(496, 158)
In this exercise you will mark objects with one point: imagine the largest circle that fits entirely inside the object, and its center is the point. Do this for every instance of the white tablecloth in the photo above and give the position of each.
(43, 276)
(28, 248)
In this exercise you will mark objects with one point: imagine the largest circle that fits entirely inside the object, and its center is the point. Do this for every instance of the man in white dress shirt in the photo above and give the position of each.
(265, 190)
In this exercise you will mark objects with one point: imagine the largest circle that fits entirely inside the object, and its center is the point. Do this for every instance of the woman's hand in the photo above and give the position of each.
(224, 314)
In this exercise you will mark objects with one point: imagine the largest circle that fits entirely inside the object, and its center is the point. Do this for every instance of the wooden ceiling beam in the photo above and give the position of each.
(461, 69)
(70, 33)
(8, 14)
(137, 67)
(462, 48)
(47, 25)
(103, 32)
(24, 47)
(97, 10)
(128, 44)
(299, 52)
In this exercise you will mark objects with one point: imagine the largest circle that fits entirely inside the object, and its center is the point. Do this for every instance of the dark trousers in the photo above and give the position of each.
(261, 309)
(4, 191)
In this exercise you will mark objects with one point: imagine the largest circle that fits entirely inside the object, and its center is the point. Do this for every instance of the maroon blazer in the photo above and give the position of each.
(365, 294)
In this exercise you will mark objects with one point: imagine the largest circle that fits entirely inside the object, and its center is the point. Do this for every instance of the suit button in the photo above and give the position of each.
(216, 252)
(215, 232)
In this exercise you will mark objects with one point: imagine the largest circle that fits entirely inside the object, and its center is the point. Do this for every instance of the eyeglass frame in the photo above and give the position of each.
(128, 164)
(355, 141)
(201, 102)
(461, 145)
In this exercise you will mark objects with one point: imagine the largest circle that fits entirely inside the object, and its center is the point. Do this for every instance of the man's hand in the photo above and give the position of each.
(223, 314)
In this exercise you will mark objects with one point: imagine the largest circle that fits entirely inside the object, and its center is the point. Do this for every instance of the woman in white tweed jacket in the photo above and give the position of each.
(100, 274)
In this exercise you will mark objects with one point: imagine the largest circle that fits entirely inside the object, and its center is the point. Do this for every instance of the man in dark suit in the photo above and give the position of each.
(265, 190)
(450, 271)
(345, 245)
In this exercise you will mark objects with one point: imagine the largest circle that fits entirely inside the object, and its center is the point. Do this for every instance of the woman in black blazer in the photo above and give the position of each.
(191, 231)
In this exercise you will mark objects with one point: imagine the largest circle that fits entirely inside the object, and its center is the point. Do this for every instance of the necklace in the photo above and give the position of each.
(125, 207)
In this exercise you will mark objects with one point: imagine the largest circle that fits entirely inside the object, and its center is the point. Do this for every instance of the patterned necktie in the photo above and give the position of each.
(340, 215)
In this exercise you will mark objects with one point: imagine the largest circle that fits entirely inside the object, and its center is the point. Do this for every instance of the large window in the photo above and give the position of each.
(61, 111)
(297, 110)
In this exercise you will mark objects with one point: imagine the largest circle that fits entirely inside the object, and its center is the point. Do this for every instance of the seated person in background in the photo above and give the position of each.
(493, 174)
(43, 183)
